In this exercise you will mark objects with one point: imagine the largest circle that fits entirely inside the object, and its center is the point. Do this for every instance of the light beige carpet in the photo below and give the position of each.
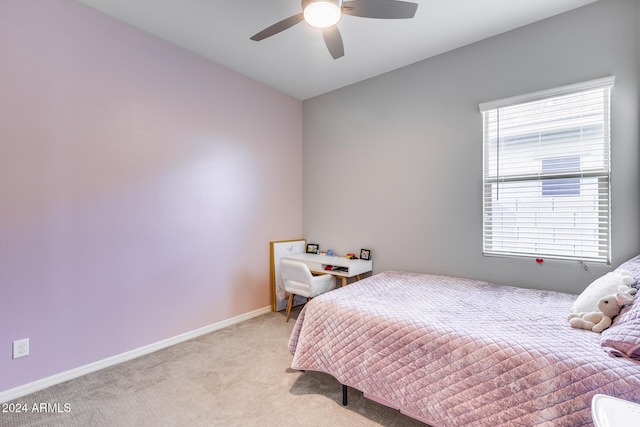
(237, 376)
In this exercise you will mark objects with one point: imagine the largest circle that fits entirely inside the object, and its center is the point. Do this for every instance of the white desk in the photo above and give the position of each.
(345, 267)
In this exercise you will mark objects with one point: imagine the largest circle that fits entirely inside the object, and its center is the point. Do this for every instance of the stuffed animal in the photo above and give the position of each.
(614, 282)
(608, 308)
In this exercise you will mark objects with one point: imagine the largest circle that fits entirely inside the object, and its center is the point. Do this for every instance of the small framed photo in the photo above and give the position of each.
(312, 248)
(365, 254)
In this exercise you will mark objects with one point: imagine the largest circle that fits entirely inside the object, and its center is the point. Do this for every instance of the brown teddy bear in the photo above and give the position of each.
(608, 308)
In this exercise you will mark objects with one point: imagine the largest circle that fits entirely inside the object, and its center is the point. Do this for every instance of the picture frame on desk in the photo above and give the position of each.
(313, 248)
(365, 254)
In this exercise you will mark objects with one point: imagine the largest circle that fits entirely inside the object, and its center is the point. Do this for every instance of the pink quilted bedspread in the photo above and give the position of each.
(451, 351)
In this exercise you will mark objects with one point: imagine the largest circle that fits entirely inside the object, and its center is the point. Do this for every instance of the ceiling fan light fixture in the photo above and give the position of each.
(323, 13)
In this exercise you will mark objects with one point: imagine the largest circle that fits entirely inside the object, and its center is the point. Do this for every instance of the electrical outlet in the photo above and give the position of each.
(21, 348)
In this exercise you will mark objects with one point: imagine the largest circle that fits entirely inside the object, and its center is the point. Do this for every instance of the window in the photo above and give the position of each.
(561, 186)
(546, 173)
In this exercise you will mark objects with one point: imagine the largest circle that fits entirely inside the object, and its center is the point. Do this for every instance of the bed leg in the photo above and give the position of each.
(344, 395)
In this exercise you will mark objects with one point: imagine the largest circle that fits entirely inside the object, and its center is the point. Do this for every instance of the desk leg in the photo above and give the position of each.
(344, 282)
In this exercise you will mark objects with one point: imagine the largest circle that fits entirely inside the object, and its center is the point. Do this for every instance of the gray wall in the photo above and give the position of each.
(393, 164)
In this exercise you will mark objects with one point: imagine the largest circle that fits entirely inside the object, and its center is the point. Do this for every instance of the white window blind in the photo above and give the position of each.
(546, 173)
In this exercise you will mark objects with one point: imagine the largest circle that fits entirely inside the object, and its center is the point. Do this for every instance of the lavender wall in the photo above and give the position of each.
(140, 186)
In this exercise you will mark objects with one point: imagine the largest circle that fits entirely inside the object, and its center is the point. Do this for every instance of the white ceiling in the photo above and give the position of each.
(297, 62)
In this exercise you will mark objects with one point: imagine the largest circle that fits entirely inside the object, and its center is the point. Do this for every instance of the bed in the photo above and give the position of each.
(450, 351)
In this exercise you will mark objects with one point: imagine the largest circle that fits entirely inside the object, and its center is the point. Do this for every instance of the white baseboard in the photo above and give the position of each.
(23, 390)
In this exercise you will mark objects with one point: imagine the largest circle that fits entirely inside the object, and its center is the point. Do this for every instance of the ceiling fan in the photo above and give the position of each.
(325, 14)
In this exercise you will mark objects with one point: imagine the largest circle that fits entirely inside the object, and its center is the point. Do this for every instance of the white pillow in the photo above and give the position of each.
(611, 283)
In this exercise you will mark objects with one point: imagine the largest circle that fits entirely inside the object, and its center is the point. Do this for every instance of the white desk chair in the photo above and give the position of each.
(298, 280)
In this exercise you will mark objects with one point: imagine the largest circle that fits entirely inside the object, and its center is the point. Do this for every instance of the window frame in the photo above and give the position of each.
(489, 183)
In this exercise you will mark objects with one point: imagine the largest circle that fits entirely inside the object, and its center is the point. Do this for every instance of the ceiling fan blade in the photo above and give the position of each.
(382, 9)
(333, 40)
(278, 27)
